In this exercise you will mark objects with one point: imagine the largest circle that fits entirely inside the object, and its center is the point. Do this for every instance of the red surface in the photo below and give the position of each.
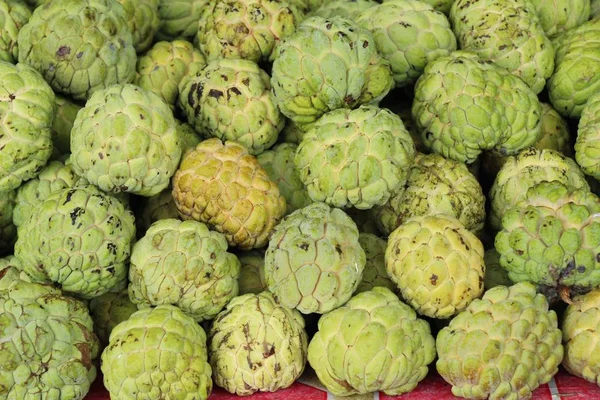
(566, 387)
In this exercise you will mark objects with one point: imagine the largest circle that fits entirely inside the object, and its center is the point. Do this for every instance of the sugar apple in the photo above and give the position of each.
(257, 345)
(587, 145)
(12, 269)
(561, 15)
(372, 343)
(436, 263)
(79, 239)
(109, 310)
(188, 137)
(464, 105)
(27, 110)
(435, 185)
(350, 9)
(495, 275)
(231, 99)
(8, 231)
(179, 19)
(577, 73)
(438, 5)
(375, 273)
(245, 29)
(279, 164)
(363, 220)
(158, 353)
(314, 261)
(221, 184)
(581, 331)
(66, 112)
(325, 65)
(79, 46)
(507, 32)
(409, 34)
(594, 8)
(291, 133)
(125, 140)
(307, 5)
(13, 15)
(503, 346)
(252, 272)
(163, 67)
(186, 265)
(48, 343)
(155, 208)
(355, 157)
(552, 238)
(143, 22)
(524, 171)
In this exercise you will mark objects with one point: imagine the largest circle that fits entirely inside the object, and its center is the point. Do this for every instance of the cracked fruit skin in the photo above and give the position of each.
(8, 230)
(179, 19)
(231, 99)
(464, 105)
(79, 46)
(328, 63)
(48, 343)
(78, 238)
(552, 238)
(355, 158)
(528, 168)
(587, 144)
(503, 346)
(507, 32)
(409, 34)
(221, 184)
(158, 353)
(257, 345)
(27, 107)
(373, 343)
(581, 333)
(245, 29)
(437, 264)
(183, 264)
(13, 15)
(559, 16)
(577, 73)
(435, 185)
(375, 272)
(314, 261)
(125, 140)
(108, 311)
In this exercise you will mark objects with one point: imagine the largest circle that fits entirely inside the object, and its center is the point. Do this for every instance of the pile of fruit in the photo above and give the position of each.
(228, 192)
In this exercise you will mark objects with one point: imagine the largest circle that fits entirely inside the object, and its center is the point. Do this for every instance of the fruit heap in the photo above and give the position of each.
(228, 192)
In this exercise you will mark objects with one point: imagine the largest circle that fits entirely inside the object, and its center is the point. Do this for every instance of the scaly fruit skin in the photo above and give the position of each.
(577, 73)
(27, 107)
(375, 273)
(464, 105)
(503, 346)
(14, 271)
(157, 353)
(54, 177)
(163, 67)
(314, 261)
(325, 65)
(409, 34)
(343, 8)
(306, 5)
(186, 265)
(581, 333)
(558, 16)
(552, 238)
(13, 15)
(252, 272)
(437, 264)
(49, 345)
(279, 164)
(355, 158)
(188, 137)
(143, 22)
(587, 145)
(373, 343)
(595, 8)
(435, 185)
(155, 208)
(438, 5)
(125, 140)
(224, 186)
(495, 275)
(78, 238)
(245, 29)
(66, 112)
(79, 46)
(507, 32)
(231, 99)
(257, 345)
(8, 231)
(108, 311)
(524, 171)
(179, 19)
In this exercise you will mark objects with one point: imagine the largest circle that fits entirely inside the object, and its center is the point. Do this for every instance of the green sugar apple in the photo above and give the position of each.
(179, 19)
(13, 15)
(587, 145)
(558, 16)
